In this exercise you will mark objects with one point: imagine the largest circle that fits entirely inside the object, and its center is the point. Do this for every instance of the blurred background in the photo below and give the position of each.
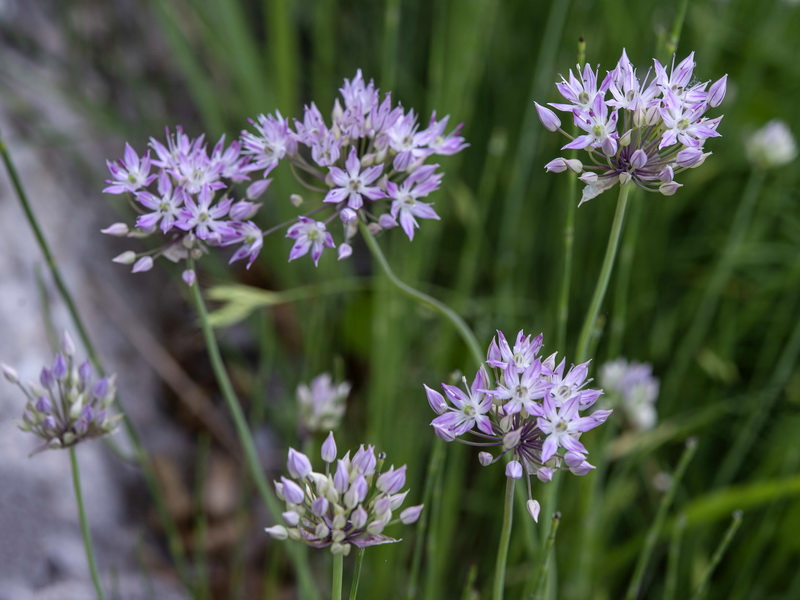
(78, 79)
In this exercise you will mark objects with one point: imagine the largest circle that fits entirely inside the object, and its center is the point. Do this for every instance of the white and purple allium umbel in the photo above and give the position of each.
(532, 412)
(348, 505)
(68, 404)
(321, 404)
(368, 166)
(641, 130)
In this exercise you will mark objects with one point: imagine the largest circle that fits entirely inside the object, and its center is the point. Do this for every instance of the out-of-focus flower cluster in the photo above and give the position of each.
(632, 387)
(642, 130)
(322, 403)
(772, 146)
(350, 507)
(368, 166)
(67, 405)
(533, 411)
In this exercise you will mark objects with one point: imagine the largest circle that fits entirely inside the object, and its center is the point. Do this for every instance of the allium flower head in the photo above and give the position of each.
(321, 403)
(645, 130)
(532, 413)
(67, 405)
(772, 146)
(632, 387)
(349, 508)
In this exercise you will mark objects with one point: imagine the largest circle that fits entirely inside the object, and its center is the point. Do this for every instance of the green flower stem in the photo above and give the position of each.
(463, 329)
(246, 438)
(505, 538)
(174, 543)
(87, 538)
(658, 522)
(338, 568)
(357, 574)
(702, 588)
(589, 323)
(673, 558)
(622, 285)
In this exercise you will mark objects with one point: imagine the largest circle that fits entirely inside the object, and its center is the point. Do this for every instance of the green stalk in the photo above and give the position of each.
(505, 538)
(87, 538)
(174, 543)
(673, 558)
(246, 437)
(338, 569)
(604, 277)
(658, 522)
(671, 45)
(700, 592)
(357, 574)
(622, 285)
(463, 329)
(541, 577)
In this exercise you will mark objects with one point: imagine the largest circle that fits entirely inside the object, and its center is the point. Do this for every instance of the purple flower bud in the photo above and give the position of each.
(59, 367)
(364, 460)
(189, 277)
(298, 464)
(435, 400)
(533, 509)
(100, 389)
(341, 479)
(320, 506)
(49, 423)
(557, 165)
(443, 433)
(81, 426)
(344, 251)
(547, 117)
(254, 190)
(9, 373)
(398, 499)
(292, 492)
(573, 459)
(666, 175)
(348, 215)
(485, 459)
(244, 210)
(296, 200)
(688, 157)
(411, 514)
(356, 493)
(581, 469)
(512, 438)
(669, 189)
(126, 258)
(387, 221)
(716, 93)
(588, 178)
(43, 404)
(143, 264)
(67, 344)
(544, 474)
(392, 480)
(514, 470)
(328, 450)
(638, 159)
(291, 518)
(46, 377)
(383, 508)
(117, 230)
(358, 518)
(85, 372)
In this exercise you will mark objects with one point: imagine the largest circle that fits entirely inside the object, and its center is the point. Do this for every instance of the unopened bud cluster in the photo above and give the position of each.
(533, 411)
(68, 404)
(646, 132)
(322, 403)
(350, 507)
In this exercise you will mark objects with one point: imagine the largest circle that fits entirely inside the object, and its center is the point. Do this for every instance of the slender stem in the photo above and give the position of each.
(658, 522)
(87, 538)
(604, 277)
(357, 574)
(505, 538)
(673, 558)
(170, 529)
(245, 436)
(622, 286)
(338, 569)
(700, 592)
(463, 329)
(671, 45)
(541, 577)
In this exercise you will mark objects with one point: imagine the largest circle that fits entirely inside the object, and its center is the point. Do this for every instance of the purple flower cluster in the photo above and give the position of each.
(645, 131)
(369, 166)
(533, 411)
(321, 404)
(67, 405)
(350, 507)
(632, 387)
